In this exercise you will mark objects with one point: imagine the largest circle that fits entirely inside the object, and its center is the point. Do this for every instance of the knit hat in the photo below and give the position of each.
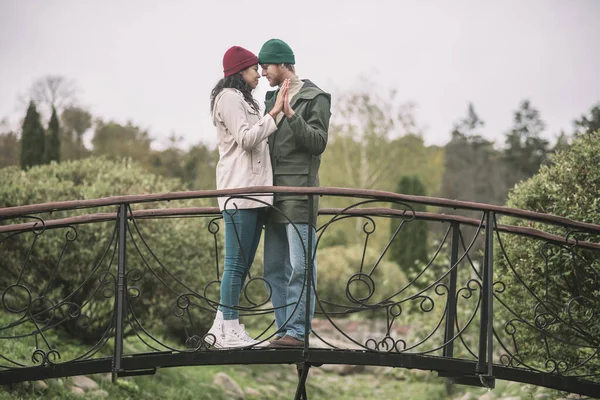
(276, 51)
(237, 59)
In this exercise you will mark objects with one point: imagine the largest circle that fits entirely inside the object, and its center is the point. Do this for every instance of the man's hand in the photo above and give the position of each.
(287, 109)
(279, 101)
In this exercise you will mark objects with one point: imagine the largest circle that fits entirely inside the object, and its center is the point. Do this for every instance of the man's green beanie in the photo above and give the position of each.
(276, 51)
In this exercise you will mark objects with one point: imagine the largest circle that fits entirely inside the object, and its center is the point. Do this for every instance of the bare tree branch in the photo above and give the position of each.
(53, 91)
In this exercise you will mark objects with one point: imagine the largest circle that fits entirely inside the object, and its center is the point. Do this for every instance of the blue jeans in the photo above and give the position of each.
(285, 271)
(242, 234)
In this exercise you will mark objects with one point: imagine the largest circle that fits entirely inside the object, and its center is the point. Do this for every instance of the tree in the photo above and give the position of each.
(525, 149)
(9, 145)
(368, 140)
(186, 250)
(32, 139)
(363, 130)
(121, 141)
(473, 170)
(588, 124)
(76, 122)
(53, 91)
(52, 147)
(563, 141)
(199, 165)
(410, 245)
(472, 167)
(470, 126)
(569, 187)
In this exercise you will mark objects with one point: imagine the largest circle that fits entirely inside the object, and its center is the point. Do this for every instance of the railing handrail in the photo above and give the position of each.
(267, 190)
(379, 211)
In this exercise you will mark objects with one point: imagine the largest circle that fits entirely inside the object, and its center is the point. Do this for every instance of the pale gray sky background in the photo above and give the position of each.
(155, 62)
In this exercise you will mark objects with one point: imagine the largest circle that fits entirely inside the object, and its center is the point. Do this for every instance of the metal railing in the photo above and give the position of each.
(524, 308)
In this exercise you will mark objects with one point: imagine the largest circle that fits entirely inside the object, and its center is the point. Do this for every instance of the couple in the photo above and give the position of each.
(281, 148)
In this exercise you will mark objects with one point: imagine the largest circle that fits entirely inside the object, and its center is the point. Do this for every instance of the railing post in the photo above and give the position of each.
(309, 273)
(451, 315)
(120, 292)
(486, 342)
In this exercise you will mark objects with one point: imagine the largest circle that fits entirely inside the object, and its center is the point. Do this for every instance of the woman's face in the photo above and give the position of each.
(251, 76)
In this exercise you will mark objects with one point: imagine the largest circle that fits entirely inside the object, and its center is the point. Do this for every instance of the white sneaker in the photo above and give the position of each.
(215, 335)
(238, 337)
(247, 335)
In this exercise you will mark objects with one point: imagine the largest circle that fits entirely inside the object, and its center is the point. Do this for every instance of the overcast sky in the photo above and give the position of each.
(155, 62)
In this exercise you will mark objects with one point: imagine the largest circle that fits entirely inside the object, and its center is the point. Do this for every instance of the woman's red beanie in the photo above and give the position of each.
(237, 59)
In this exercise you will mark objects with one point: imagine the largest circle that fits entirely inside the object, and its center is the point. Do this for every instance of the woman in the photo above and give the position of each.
(244, 161)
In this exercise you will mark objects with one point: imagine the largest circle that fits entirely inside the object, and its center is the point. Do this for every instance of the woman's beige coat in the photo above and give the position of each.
(243, 148)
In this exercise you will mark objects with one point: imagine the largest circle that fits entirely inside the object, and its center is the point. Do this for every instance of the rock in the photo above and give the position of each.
(39, 385)
(77, 391)
(343, 369)
(512, 398)
(106, 377)
(57, 383)
(542, 396)
(352, 369)
(229, 385)
(99, 393)
(575, 396)
(467, 396)
(487, 396)
(83, 382)
(334, 368)
(250, 391)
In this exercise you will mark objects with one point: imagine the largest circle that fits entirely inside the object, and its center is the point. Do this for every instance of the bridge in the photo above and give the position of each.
(511, 294)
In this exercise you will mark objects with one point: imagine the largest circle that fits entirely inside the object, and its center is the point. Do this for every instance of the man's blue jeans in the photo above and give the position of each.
(243, 229)
(286, 249)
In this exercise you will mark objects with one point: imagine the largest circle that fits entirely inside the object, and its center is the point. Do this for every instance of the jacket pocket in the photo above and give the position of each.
(291, 175)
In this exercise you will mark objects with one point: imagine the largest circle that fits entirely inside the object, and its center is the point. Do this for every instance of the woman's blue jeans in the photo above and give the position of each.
(242, 235)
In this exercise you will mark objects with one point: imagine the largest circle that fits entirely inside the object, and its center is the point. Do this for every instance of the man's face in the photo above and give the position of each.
(273, 73)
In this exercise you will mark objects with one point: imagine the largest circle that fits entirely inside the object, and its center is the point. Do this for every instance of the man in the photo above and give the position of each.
(295, 149)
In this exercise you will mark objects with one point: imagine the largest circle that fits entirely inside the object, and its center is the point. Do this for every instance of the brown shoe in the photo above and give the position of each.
(287, 342)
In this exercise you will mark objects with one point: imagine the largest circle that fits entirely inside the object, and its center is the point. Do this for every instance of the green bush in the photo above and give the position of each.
(338, 264)
(569, 187)
(84, 278)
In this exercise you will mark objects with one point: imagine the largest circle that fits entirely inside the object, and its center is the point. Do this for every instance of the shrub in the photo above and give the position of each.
(569, 187)
(84, 277)
(338, 264)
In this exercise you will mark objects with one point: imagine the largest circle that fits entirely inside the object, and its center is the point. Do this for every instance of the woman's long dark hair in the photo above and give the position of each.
(235, 82)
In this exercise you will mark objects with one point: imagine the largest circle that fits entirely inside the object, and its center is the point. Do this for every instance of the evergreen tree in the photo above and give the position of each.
(410, 245)
(52, 148)
(588, 124)
(525, 149)
(563, 141)
(473, 169)
(32, 139)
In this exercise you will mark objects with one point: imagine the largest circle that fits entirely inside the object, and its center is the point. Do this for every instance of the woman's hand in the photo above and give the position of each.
(279, 101)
